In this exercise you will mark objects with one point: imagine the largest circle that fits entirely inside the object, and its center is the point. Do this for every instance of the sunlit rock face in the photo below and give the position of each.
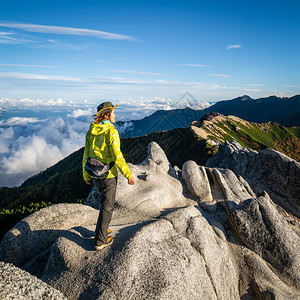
(18, 284)
(196, 233)
(267, 170)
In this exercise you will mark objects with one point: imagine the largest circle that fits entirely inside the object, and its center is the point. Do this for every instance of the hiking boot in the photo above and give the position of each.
(99, 246)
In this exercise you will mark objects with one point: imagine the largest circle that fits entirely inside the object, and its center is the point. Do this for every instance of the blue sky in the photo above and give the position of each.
(96, 50)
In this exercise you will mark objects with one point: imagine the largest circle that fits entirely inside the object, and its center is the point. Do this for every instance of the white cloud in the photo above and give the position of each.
(137, 72)
(126, 127)
(195, 65)
(75, 87)
(8, 103)
(66, 31)
(81, 112)
(33, 154)
(17, 121)
(10, 38)
(7, 135)
(31, 66)
(138, 108)
(39, 77)
(292, 85)
(220, 75)
(251, 85)
(122, 80)
(2, 33)
(235, 46)
(29, 145)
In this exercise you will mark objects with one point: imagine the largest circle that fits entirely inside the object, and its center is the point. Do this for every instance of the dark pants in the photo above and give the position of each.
(109, 188)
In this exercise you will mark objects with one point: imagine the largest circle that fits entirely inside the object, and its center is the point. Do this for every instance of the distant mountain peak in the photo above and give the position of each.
(285, 111)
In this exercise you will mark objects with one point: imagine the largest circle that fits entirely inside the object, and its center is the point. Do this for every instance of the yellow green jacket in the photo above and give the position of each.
(103, 143)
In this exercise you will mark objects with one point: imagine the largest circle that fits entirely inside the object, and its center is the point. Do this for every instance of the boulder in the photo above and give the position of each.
(228, 187)
(155, 263)
(232, 156)
(157, 186)
(267, 170)
(37, 232)
(262, 229)
(196, 180)
(205, 235)
(18, 284)
(183, 255)
(158, 261)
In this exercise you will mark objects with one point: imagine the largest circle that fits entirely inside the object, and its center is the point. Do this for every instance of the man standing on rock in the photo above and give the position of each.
(103, 144)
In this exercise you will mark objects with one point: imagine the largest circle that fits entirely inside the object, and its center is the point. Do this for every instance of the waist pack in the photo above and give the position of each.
(97, 168)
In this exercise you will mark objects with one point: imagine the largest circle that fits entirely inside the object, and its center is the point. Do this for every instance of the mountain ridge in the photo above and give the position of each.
(271, 108)
(285, 110)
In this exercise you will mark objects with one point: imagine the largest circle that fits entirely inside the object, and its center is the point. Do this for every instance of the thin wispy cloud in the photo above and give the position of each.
(66, 31)
(220, 75)
(39, 77)
(137, 72)
(195, 65)
(122, 80)
(188, 84)
(11, 38)
(235, 46)
(31, 66)
(3, 33)
(251, 85)
(292, 85)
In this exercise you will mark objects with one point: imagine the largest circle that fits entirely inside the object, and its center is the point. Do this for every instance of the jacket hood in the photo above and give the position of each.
(97, 129)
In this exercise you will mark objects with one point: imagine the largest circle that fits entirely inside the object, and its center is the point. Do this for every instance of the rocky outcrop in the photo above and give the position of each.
(261, 228)
(267, 170)
(36, 233)
(16, 284)
(197, 181)
(199, 233)
(157, 187)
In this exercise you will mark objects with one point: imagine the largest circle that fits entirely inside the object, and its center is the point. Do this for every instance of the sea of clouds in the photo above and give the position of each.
(35, 134)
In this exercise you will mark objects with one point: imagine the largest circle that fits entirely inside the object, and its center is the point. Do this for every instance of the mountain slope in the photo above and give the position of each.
(285, 111)
(252, 135)
(158, 121)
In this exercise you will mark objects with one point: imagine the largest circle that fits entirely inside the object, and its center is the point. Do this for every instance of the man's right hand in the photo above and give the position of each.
(88, 182)
(131, 180)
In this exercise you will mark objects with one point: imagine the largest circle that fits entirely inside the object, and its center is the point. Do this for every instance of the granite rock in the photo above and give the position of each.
(37, 232)
(205, 235)
(16, 284)
(267, 170)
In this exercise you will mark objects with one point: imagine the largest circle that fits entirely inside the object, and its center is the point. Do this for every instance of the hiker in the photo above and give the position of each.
(103, 144)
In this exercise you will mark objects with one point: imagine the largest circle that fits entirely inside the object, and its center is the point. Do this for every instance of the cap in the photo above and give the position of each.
(105, 107)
